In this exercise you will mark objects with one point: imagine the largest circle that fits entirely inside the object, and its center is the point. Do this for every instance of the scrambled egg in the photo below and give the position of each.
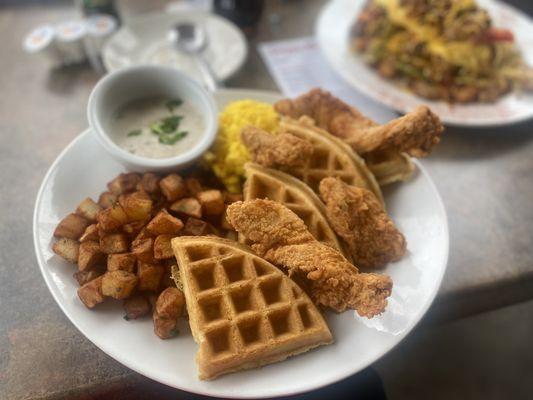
(228, 155)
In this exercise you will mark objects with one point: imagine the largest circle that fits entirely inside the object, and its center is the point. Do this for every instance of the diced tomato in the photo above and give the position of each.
(500, 35)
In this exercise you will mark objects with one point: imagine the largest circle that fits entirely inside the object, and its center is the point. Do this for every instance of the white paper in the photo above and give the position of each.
(297, 65)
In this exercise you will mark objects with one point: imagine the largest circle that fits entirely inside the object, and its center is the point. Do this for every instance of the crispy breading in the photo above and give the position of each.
(416, 133)
(284, 150)
(282, 238)
(357, 216)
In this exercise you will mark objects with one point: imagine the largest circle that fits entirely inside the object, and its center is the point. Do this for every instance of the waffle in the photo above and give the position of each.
(243, 311)
(392, 167)
(331, 157)
(275, 185)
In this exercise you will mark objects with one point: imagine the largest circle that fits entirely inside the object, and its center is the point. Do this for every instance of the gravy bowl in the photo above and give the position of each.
(119, 88)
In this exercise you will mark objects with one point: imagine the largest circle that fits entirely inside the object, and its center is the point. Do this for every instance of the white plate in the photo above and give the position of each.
(83, 169)
(332, 32)
(144, 41)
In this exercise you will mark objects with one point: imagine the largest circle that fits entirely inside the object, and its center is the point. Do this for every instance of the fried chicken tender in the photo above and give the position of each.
(416, 133)
(284, 150)
(282, 238)
(357, 216)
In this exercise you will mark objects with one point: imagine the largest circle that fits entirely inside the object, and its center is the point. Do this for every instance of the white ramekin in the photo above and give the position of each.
(122, 86)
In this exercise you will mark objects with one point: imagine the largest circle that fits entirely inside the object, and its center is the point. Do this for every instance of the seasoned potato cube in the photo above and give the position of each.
(143, 249)
(123, 262)
(67, 249)
(164, 223)
(89, 255)
(136, 306)
(232, 197)
(118, 284)
(71, 227)
(112, 218)
(137, 206)
(124, 183)
(91, 293)
(88, 209)
(88, 275)
(193, 186)
(162, 247)
(169, 307)
(173, 187)
(107, 199)
(196, 227)
(212, 202)
(114, 243)
(166, 280)
(133, 228)
(91, 233)
(188, 206)
(149, 276)
(149, 183)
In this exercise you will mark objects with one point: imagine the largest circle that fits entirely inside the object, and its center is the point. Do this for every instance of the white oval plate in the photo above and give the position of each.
(332, 33)
(144, 41)
(83, 169)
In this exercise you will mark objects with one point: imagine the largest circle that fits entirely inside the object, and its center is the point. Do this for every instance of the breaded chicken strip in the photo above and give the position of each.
(276, 151)
(282, 238)
(416, 133)
(357, 216)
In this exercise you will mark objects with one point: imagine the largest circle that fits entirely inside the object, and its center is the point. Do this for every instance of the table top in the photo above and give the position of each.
(484, 177)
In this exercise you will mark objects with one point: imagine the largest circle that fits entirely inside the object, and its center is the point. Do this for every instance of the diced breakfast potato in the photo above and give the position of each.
(136, 306)
(91, 293)
(166, 280)
(149, 276)
(164, 223)
(89, 255)
(143, 249)
(124, 183)
(67, 249)
(123, 262)
(230, 198)
(137, 206)
(133, 228)
(149, 183)
(107, 199)
(173, 187)
(88, 209)
(212, 202)
(71, 227)
(193, 186)
(114, 243)
(118, 284)
(162, 247)
(169, 307)
(88, 275)
(112, 218)
(196, 227)
(188, 206)
(91, 233)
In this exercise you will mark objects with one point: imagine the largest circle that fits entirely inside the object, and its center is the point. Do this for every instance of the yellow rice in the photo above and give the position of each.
(228, 155)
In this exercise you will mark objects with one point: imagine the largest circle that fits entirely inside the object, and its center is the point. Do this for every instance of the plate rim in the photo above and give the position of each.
(316, 384)
(448, 119)
(159, 14)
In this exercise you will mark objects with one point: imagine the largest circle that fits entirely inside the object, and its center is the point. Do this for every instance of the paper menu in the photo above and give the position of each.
(297, 65)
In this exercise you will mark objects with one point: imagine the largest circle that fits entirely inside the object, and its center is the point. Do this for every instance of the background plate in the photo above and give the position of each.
(83, 169)
(144, 41)
(332, 32)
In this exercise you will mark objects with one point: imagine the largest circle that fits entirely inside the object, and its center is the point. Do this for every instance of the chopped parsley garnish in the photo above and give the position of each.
(135, 132)
(173, 104)
(172, 138)
(166, 125)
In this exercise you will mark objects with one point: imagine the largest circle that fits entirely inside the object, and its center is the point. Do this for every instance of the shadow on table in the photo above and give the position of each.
(481, 143)
(66, 79)
(366, 385)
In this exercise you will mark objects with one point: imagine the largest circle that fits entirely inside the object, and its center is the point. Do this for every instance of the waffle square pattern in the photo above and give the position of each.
(243, 311)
